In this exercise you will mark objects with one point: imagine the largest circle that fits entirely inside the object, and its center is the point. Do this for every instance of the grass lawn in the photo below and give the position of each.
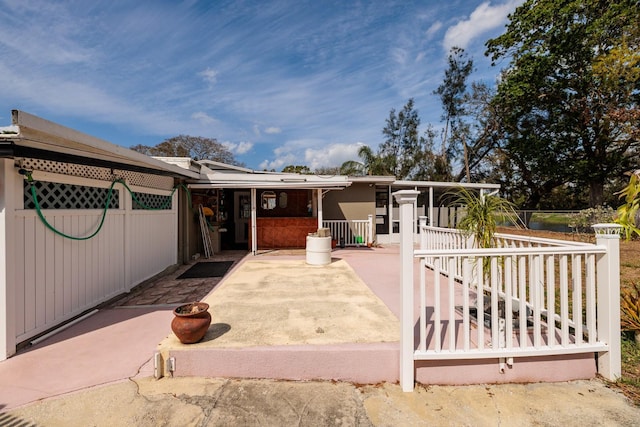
(629, 384)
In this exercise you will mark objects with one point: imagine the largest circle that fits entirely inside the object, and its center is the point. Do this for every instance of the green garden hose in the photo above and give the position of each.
(32, 187)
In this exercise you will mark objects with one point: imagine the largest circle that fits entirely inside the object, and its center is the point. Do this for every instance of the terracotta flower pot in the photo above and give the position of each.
(191, 322)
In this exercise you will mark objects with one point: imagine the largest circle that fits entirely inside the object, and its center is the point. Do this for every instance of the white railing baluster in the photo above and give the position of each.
(590, 292)
(468, 268)
(480, 301)
(422, 345)
(577, 297)
(564, 300)
(508, 300)
(522, 298)
(436, 304)
(452, 306)
(537, 298)
(495, 326)
(551, 301)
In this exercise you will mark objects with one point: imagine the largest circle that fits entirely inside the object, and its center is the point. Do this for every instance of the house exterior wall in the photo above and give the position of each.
(49, 279)
(354, 202)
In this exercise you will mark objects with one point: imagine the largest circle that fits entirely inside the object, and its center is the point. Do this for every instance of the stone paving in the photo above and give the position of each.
(167, 289)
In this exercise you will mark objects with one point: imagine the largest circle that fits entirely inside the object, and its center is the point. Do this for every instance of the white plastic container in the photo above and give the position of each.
(318, 250)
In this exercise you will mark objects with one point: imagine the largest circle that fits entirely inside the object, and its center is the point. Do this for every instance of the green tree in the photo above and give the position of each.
(371, 164)
(565, 119)
(196, 147)
(403, 148)
(297, 169)
(452, 92)
(328, 170)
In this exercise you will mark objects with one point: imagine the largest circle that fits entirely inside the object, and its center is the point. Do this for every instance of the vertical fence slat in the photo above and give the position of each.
(551, 301)
(480, 301)
(436, 305)
(522, 299)
(466, 277)
(564, 300)
(495, 325)
(590, 292)
(577, 297)
(423, 307)
(452, 306)
(508, 300)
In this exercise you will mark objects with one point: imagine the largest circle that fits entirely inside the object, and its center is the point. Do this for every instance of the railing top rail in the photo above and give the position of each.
(532, 239)
(544, 250)
(515, 237)
(344, 220)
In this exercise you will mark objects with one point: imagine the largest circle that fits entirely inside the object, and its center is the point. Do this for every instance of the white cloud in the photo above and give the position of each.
(433, 29)
(203, 118)
(332, 155)
(210, 76)
(238, 148)
(273, 130)
(484, 18)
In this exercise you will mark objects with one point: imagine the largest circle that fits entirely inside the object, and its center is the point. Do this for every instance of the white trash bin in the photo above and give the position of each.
(318, 250)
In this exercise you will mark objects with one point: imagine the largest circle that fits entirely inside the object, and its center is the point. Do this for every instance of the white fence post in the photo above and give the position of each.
(370, 230)
(422, 222)
(608, 271)
(407, 200)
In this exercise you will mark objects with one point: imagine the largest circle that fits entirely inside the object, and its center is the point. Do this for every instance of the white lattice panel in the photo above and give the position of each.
(145, 179)
(103, 174)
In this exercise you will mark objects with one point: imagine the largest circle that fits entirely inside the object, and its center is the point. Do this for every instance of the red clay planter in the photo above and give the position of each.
(191, 322)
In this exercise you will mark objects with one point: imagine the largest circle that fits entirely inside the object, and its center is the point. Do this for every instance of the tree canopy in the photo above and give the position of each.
(568, 100)
(196, 147)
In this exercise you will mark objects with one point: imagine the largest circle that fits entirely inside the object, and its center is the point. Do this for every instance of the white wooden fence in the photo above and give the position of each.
(526, 297)
(355, 232)
(54, 278)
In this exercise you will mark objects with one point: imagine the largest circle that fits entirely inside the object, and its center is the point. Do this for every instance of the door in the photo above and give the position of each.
(242, 215)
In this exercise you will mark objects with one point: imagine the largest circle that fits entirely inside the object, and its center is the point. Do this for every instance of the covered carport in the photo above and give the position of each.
(281, 208)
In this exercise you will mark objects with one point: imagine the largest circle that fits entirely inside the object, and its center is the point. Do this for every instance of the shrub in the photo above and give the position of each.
(582, 221)
(630, 309)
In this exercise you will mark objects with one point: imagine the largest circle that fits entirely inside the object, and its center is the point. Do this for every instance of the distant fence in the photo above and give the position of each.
(355, 232)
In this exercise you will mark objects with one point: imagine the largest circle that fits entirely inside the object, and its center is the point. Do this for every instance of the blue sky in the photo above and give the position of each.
(278, 82)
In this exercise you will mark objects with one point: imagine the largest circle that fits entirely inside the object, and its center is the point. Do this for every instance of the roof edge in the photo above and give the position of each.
(22, 119)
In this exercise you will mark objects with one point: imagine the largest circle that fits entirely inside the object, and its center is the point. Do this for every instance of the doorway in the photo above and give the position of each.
(241, 215)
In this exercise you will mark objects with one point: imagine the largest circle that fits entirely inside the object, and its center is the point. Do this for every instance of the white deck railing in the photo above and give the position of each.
(526, 297)
(355, 232)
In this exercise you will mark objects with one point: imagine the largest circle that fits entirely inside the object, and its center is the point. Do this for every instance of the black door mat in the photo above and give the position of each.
(207, 269)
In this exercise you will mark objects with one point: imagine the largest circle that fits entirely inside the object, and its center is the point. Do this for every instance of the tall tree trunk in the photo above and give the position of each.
(596, 193)
(466, 159)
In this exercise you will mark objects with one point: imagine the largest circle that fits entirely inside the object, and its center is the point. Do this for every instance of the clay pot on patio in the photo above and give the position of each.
(191, 322)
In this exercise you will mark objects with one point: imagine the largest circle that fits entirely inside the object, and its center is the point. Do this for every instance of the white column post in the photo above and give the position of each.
(390, 214)
(431, 206)
(254, 233)
(422, 220)
(319, 190)
(10, 199)
(407, 200)
(370, 229)
(608, 276)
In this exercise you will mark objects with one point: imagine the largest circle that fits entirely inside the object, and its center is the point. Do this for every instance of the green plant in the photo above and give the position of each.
(628, 212)
(630, 309)
(482, 214)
